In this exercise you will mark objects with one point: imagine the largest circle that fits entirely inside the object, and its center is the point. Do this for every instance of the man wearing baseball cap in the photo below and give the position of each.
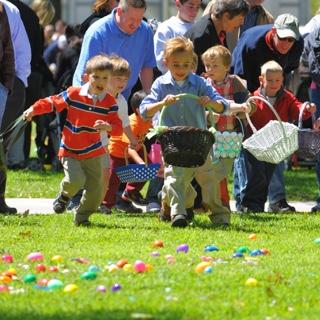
(282, 43)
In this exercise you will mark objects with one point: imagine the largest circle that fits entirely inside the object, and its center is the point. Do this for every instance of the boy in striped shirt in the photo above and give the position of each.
(91, 110)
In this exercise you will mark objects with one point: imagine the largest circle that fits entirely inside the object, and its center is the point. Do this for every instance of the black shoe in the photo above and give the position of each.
(190, 214)
(5, 209)
(316, 208)
(85, 223)
(179, 221)
(281, 206)
(75, 200)
(127, 207)
(242, 209)
(60, 203)
(135, 197)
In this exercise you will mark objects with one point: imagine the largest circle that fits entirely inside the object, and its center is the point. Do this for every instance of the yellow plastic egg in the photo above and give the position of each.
(202, 265)
(251, 282)
(70, 288)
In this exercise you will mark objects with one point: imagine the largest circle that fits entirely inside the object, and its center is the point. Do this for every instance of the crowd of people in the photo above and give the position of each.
(93, 100)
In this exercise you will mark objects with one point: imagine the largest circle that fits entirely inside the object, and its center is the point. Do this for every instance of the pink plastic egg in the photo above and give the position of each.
(7, 258)
(35, 256)
(140, 266)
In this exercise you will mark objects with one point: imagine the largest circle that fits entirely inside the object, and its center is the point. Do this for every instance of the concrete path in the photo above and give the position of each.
(44, 206)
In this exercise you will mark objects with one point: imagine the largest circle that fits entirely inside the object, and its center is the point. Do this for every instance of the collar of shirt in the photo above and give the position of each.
(167, 78)
(84, 91)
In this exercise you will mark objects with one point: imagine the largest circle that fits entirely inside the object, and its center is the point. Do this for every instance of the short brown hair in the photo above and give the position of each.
(270, 66)
(138, 4)
(120, 66)
(177, 45)
(218, 51)
(100, 62)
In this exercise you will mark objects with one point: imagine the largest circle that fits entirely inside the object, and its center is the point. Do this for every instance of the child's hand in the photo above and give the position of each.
(316, 124)
(101, 125)
(28, 114)
(204, 100)
(134, 143)
(170, 99)
(311, 107)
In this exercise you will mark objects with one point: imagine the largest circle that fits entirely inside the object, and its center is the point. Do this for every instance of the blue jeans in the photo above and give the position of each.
(3, 100)
(277, 190)
(315, 98)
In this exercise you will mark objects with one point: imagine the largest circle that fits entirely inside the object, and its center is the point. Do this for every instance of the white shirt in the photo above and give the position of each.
(20, 41)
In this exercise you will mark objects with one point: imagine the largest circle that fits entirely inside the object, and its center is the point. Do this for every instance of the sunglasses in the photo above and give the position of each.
(288, 39)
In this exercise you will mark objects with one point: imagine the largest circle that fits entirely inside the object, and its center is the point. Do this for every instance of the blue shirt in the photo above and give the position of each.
(104, 36)
(186, 111)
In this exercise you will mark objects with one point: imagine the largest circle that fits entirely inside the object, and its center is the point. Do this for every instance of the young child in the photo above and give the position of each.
(90, 110)
(255, 175)
(217, 62)
(177, 193)
(117, 147)
(178, 25)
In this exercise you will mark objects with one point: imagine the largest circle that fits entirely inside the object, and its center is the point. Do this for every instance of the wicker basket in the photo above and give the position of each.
(185, 146)
(274, 142)
(137, 172)
(308, 139)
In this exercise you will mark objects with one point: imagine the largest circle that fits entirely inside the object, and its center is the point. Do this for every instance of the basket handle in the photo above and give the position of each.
(304, 105)
(144, 155)
(272, 109)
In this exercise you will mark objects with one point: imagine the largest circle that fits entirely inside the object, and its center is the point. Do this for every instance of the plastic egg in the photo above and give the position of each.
(154, 254)
(57, 259)
(70, 288)
(4, 288)
(317, 241)
(182, 248)
(265, 251)
(53, 269)
(256, 252)
(128, 267)
(5, 279)
(149, 267)
(208, 269)
(89, 275)
(28, 278)
(252, 236)
(251, 282)
(7, 258)
(210, 248)
(40, 268)
(42, 282)
(121, 263)
(206, 259)
(101, 288)
(54, 284)
(158, 244)
(140, 266)
(116, 287)
(35, 256)
(201, 266)
(93, 268)
(237, 255)
(112, 268)
(242, 249)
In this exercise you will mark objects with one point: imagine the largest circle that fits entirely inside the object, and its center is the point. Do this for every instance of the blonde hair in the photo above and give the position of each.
(45, 11)
(120, 66)
(100, 62)
(270, 66)
(218, 51)
(177, 45)
(195, 61)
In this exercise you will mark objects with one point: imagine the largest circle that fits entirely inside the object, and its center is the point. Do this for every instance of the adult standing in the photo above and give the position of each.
(282, 43)
(209, 30)
(257, 15)
(15, 102)
(124, 33)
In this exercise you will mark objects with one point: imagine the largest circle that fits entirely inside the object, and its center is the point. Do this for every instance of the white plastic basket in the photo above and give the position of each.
(274, 142)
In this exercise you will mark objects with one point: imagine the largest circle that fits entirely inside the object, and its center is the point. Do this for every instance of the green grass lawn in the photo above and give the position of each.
(287, 278)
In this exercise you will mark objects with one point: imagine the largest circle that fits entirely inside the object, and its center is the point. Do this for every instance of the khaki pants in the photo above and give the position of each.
(84, 174)
(178, 193)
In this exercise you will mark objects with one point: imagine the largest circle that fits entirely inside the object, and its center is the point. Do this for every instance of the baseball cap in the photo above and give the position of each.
(286, 26)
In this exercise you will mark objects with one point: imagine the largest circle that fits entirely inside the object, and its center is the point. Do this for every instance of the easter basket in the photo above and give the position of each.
(134, 172)
(308, 139)
(275, 141)
(185, 146)
(228, 144)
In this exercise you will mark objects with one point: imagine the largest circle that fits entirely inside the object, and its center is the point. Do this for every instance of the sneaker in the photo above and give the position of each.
(127, 207)
(75, 200)
(316, 208)
(153, 207)
(179, 221)
(60, 203)
(104, 209)
(135, 197)
(281, 206)
(85, 223)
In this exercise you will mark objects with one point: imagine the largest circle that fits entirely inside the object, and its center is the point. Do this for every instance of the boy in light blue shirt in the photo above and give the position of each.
(177, 193)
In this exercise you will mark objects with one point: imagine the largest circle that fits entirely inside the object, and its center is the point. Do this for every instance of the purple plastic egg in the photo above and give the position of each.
(182, 248)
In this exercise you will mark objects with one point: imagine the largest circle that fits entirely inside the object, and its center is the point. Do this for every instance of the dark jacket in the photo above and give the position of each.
(95, 16)
(7, 71)
(203, 34)
(311, 54)
(252, 51)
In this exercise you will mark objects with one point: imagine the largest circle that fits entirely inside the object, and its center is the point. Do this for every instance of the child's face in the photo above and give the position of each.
(180, 65)
(189, 10)
(116, 84)
(215, 69)
(271, 82)
(97, 81)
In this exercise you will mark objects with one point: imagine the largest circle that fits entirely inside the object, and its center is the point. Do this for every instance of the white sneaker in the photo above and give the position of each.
(153, 207)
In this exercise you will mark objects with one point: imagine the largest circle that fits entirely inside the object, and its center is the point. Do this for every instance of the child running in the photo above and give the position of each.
(91, 110)
(177, 193)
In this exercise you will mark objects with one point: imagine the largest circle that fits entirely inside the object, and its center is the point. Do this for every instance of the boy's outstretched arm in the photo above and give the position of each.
(153, 108)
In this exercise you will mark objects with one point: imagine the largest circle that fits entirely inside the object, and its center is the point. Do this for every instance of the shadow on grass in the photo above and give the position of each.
(96, 315)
